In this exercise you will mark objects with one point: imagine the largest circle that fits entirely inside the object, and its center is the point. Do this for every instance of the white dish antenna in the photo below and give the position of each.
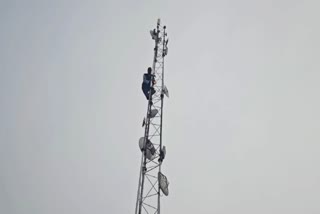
(150, 150)
(164, 183)
(165, 91)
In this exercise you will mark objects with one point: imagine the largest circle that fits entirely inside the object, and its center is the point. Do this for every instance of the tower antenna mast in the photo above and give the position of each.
(152, 183)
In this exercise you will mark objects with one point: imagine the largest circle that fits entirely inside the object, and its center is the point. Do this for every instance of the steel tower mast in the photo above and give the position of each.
(152, 183)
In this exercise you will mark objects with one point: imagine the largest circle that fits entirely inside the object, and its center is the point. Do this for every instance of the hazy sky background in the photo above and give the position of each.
(241, 126)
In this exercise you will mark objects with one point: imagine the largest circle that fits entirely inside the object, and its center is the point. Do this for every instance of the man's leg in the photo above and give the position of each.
(152, 91)
(145, 90)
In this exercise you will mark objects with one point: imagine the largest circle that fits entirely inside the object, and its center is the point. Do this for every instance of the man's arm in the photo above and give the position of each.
(154, 79)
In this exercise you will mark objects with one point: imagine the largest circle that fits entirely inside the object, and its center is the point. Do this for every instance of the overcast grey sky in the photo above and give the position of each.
(241, 126)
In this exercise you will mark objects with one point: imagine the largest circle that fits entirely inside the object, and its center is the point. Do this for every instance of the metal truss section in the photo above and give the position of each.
(149, 193)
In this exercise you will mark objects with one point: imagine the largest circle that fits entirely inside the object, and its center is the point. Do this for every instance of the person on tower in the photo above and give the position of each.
(148, 82)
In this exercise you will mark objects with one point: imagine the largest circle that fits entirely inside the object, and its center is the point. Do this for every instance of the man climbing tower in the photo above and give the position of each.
(147, 84)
